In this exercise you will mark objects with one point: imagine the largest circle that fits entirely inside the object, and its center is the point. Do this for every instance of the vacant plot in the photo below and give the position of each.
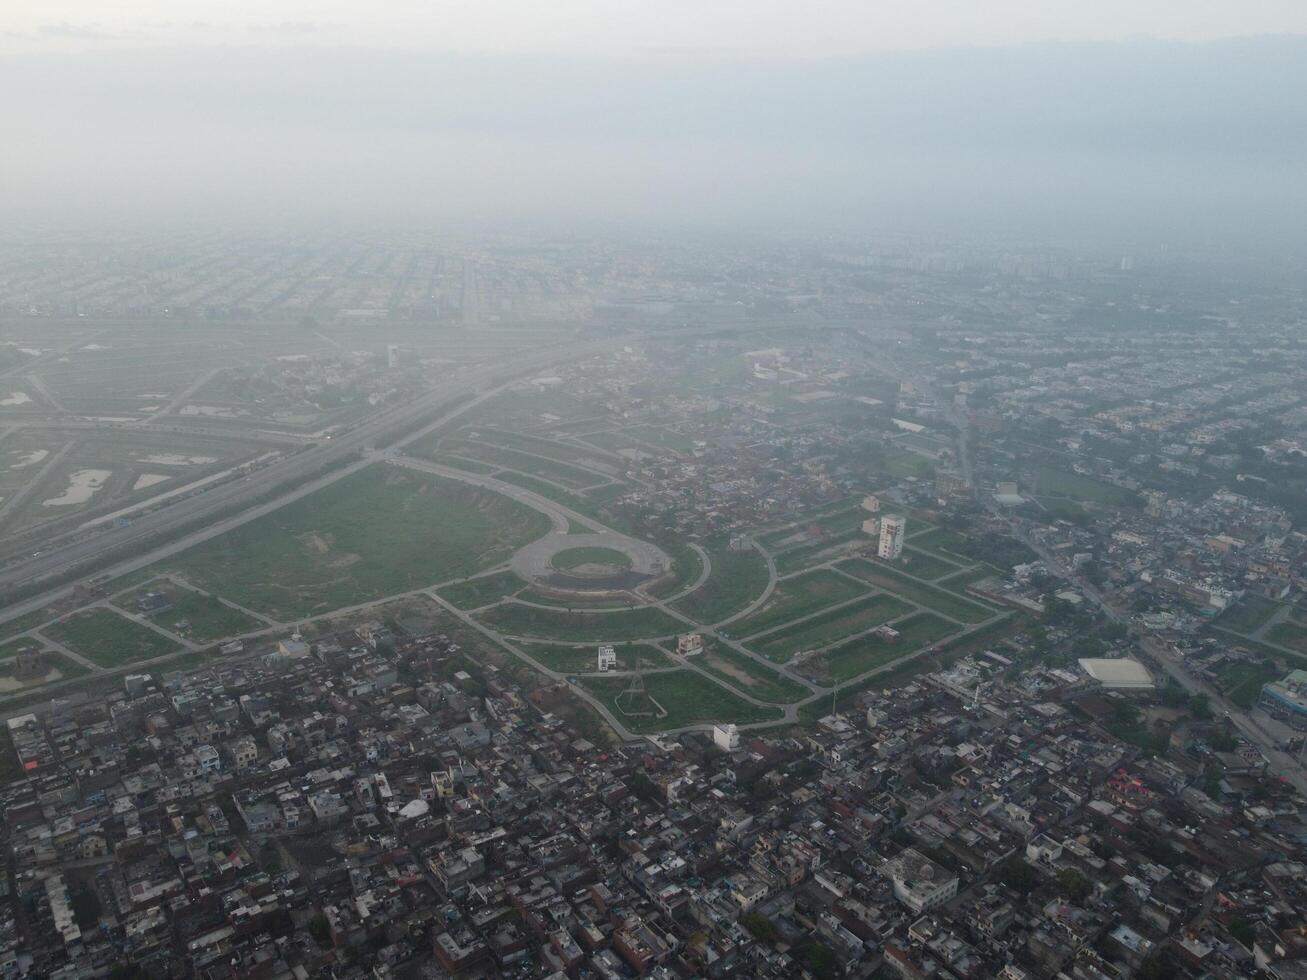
(748, 675)
(538, 466)
(109, 639)
(941, 601)
(564, 452)
(865, 653)
(830, 626)
(1289, 635)
(937, 540)
(662, 438)
(467, 465)
(1056, 482)
(583, 660)
(570, 559)
(922, 564)
(687, 698)
(517, 619)
(205, 618)
(797, 597)
(737, 579)
(473, 593)
(378, 532)
(1250, 612)
(830, 547)
(1242, 682)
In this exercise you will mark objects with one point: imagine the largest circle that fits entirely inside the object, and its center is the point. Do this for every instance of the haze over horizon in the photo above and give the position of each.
(768, 121)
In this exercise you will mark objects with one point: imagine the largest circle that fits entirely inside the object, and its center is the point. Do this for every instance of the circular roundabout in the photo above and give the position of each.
(590, 563)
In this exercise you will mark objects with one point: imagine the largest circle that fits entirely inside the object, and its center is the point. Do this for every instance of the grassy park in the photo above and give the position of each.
(108, 639)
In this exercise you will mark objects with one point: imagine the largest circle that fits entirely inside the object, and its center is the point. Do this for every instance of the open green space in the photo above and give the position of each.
(538, 466)
(941, 601)
(861, 655)
(1242, 681)
(687, 698)
(1054, 481)
(473, 593)
(1061, 509)
(27, 621)
(517, 619)
(959, 581)
(746, 674)
(564, 452)
(108, 639)
(686, 568)
(830, 626)
(208, 618)
(381, 531)
(797, 597)
(805, 556)
(577, 601)
(468, 465)
(922, 564)
(583, 660)
(1250, 612)
(661, 437)
(570, 559)
(617, 441)
(1289, 635)
(737, 579)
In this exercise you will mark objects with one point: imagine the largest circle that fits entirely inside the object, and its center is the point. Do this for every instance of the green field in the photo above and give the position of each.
(861, 655)
(830, 626)
(737, 579)
(938, 541)
(516, 619)
(538, 466)
(582, 660)
(576, 601)
(797, 597)
(109, 639)
(209, 619)
(1053, 481)
(468, 465)
(662, 438)
(687, 698)
(1289, 635)
(473, 593)
(562, 451)
(923, 564)
(941, 601)
(573, 558)
(27, 621)
(1242, 682)
(746, 674)
(687, 566)
(378, 532)
(1250, 612)
(959, 581)
(827, 549)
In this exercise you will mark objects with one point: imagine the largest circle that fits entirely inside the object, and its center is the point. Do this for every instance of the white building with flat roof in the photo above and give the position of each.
(893, 529)
(919, 883)
(607, 657)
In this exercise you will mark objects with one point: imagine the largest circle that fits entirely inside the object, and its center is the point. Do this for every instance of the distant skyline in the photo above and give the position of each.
(749, 28)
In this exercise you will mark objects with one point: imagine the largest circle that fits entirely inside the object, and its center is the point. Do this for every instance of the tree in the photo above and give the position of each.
(1073, 884)
(759, 926)
(1016, 874)
(1200, 707)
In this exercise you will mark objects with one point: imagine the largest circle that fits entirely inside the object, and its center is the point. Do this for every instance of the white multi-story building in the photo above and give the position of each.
(919, 883)
(893, 529)
(727, 737)
(607, 657)
(689, 644)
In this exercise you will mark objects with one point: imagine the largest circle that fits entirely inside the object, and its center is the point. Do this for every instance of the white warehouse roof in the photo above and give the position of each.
(1121, 673)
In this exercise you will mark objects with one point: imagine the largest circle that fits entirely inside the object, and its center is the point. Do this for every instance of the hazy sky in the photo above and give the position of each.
(1156, 118)
(746, 27)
